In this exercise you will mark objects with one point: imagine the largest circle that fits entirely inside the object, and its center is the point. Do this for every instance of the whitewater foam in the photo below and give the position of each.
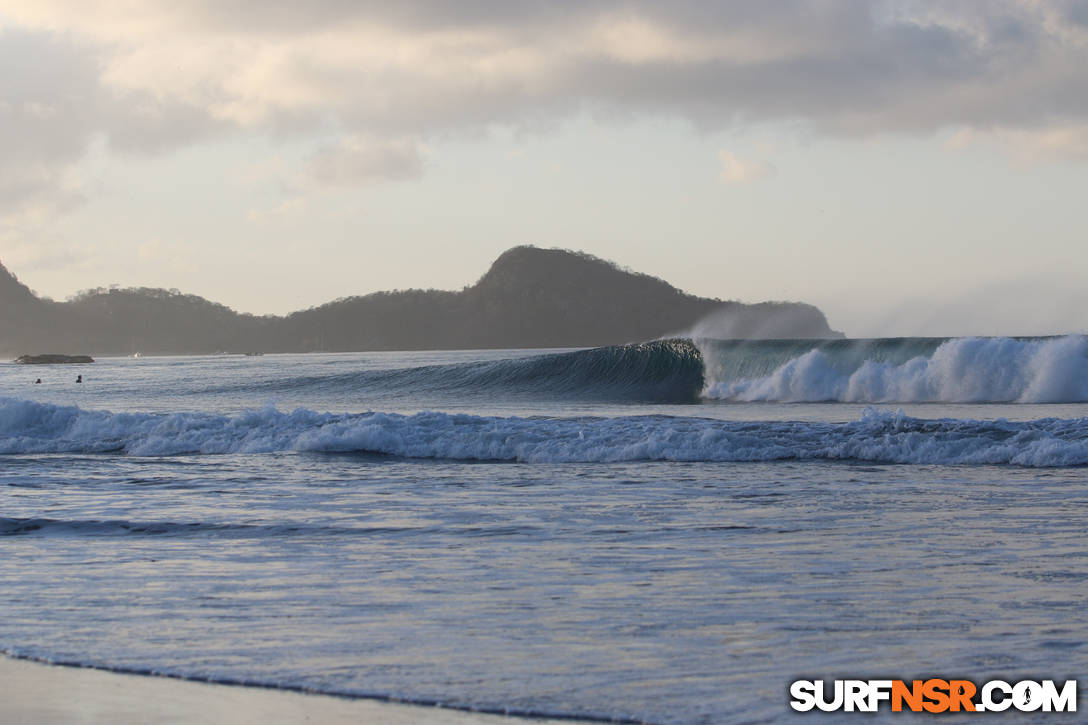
(959, 370)
(27, 427)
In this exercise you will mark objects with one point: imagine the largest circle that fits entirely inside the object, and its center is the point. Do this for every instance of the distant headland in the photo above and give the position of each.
(530, 297)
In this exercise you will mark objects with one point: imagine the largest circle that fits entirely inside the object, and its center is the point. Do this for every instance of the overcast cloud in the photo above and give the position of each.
(146, 76)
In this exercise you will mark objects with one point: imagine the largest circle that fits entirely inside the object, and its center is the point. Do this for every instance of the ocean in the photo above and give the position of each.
(666, 532)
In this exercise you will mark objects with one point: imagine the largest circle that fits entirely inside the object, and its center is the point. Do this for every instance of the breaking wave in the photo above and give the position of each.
(889, 370)
(29, 427)
(904, 370)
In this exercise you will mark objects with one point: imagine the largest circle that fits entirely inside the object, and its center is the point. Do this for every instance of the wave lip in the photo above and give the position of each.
(882, 437)
(958, 370)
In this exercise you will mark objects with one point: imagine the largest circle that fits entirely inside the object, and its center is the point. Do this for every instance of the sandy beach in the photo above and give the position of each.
(41, 694)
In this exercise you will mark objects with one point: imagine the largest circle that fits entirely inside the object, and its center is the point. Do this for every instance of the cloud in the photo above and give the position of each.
(42, 126)
(1049, 144)
(36, 256)
(149, 76)
(1028, 147)
(355, 160)
(846, 67)
(287, 208)
(54, 105)
(736, 170)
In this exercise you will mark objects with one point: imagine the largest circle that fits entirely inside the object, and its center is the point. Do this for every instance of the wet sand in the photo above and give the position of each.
(40, 694)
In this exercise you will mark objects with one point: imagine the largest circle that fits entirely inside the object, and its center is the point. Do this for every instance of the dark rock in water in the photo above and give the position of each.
(53, 359)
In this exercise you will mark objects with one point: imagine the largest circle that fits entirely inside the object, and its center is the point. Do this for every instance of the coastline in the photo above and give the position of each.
(46, 694)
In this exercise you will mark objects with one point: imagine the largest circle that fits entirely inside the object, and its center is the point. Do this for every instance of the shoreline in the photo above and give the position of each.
(51, 694)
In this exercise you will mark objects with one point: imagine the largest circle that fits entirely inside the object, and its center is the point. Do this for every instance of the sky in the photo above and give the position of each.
(910, 167)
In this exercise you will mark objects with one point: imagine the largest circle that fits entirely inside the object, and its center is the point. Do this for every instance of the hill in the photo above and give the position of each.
(27, 322)
(529, 297)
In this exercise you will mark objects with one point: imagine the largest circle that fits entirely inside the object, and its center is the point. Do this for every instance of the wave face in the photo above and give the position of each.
(904, 370)
(658, 371)
(891, 370)
(29, 427)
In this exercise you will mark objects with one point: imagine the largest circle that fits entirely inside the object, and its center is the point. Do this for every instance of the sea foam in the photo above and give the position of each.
(959, 370)
(879, 436)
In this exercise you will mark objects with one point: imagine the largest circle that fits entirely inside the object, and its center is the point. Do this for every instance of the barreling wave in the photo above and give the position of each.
(901, 370)
(657, 371)
(892, 370)
(29, 427)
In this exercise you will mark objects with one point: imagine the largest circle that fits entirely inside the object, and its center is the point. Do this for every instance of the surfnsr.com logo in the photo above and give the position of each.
(933, 695)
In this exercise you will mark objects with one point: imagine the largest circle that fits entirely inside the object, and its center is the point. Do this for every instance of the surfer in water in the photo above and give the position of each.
(79, 378)
(38, 381)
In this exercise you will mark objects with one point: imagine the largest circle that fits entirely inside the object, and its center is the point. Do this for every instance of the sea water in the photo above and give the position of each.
(667, 532)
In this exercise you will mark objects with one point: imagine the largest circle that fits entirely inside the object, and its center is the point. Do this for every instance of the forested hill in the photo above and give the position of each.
(26, 321)
(530, 297)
